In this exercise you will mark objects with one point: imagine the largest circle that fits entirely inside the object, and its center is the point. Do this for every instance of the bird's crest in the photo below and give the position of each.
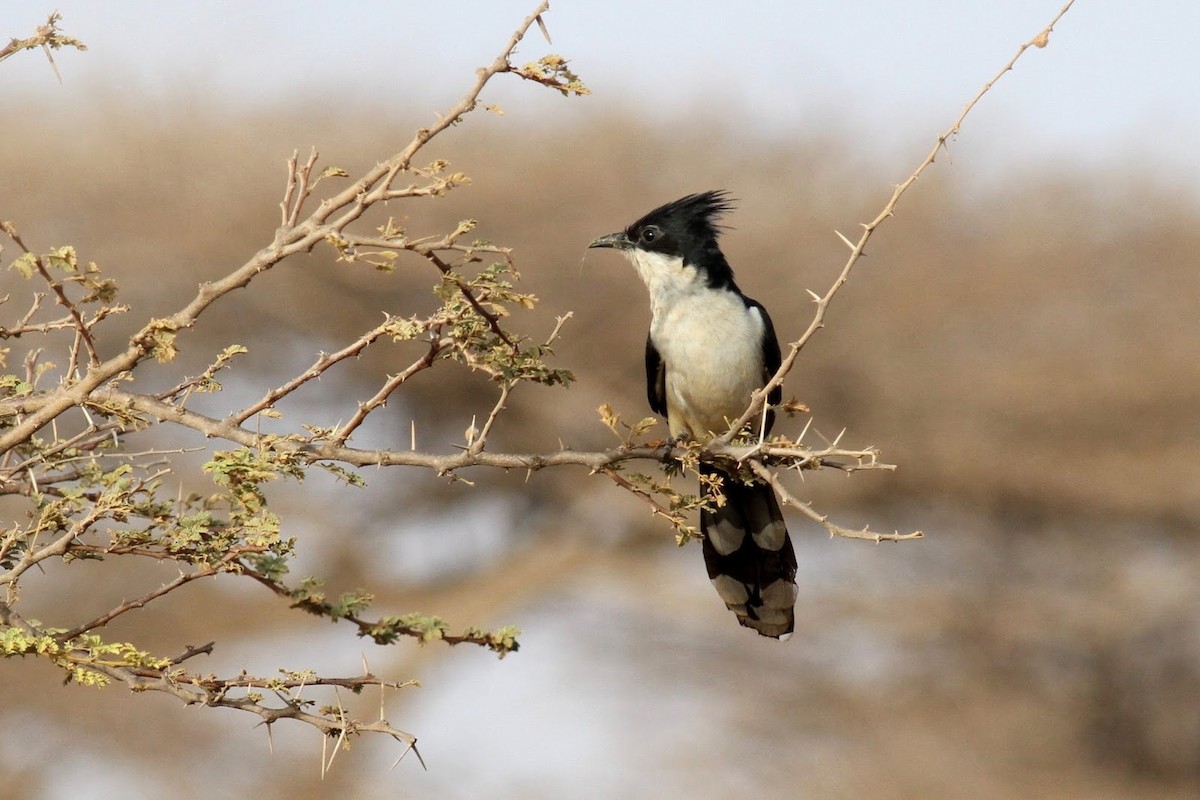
(694, 216)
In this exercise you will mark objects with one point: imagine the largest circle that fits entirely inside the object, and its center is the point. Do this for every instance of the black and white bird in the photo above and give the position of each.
(709, 348)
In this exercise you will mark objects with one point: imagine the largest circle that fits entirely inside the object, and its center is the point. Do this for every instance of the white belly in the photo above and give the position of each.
(711, 344)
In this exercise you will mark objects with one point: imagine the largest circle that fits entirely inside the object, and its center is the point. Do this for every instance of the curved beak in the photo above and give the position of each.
(617, 241)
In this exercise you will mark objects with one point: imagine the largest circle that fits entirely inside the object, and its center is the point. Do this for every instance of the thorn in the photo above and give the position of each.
(412, 745)
(816, 297)
(54, 66)
(382, 687)
(838, 438)
(807, 425)
(847, 242)
(341, 740)
(542, 26)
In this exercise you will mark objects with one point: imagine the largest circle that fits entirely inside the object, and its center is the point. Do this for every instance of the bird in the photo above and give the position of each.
(709, 348)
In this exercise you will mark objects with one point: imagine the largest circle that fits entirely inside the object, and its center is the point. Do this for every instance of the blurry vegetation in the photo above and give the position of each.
(1025, 350)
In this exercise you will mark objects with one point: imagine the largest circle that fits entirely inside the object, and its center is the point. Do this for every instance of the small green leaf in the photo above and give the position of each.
(26, 265)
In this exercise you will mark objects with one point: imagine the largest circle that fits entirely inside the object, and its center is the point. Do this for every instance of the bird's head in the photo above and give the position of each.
(684, 232)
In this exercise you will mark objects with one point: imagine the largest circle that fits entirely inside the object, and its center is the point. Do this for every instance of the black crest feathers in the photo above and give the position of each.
(688, 227)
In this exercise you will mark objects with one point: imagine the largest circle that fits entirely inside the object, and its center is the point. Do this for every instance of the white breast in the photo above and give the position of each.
(710, 341)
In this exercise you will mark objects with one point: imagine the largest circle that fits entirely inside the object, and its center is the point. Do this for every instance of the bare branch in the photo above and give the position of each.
(390, 385)
(480, 440)
(298, 187)
(130, 605)
(823, 519)
(324, 362)
(858, 248)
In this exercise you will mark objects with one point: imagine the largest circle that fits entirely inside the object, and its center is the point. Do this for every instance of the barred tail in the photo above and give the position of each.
(749, 557)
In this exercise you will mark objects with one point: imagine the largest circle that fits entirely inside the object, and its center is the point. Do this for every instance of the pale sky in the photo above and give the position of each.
(1118, 79)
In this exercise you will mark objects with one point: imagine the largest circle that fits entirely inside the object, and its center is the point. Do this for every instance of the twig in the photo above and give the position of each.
(298, 187)
(492, 320)
(193, 651)
(390, 385)
(324, 362)
(656, 508)
(56, 286)
(45, 36)
(366, 626)
(480, 440)
(212, 692)
(823, 519)
(330, 217)
(130, 605)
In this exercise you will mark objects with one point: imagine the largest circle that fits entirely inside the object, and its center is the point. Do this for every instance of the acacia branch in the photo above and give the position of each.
(57, 548)
(129, 605)
(304, 451)
(478, 440)
(216, 693)
(393, 383)
(289, 240)
(56, 286)
(47, 37)
(492, 320)
(657, 509)
(772, 477)
(858, 248)
(298, 187)
(324, 362)
(371, 628)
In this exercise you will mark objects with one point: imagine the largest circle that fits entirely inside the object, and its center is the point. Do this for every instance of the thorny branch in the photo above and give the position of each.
(791, 453)
(82, 328)
(858, 248)
(772, 477)
(221, 694)
(52, 472)
(48, 37)
(327, 222)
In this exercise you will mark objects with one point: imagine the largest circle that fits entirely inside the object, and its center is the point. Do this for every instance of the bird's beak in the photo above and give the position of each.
(617, 241)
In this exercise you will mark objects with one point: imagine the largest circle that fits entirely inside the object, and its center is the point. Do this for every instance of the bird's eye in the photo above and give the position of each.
(650, 234)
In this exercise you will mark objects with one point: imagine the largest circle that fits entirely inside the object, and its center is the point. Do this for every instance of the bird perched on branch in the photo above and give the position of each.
(709, 348)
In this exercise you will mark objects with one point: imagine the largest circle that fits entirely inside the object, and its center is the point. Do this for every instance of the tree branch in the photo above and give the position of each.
(858, 248)
(289, 240)
(47, 37)
(772, 477)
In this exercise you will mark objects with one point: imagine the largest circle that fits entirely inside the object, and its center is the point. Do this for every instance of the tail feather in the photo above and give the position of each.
(749, 556)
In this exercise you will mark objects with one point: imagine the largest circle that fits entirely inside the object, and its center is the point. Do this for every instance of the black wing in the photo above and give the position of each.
(656, 377)
(771, 356)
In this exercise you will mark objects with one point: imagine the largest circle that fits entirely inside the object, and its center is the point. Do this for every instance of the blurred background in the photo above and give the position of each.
(1022, 340)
